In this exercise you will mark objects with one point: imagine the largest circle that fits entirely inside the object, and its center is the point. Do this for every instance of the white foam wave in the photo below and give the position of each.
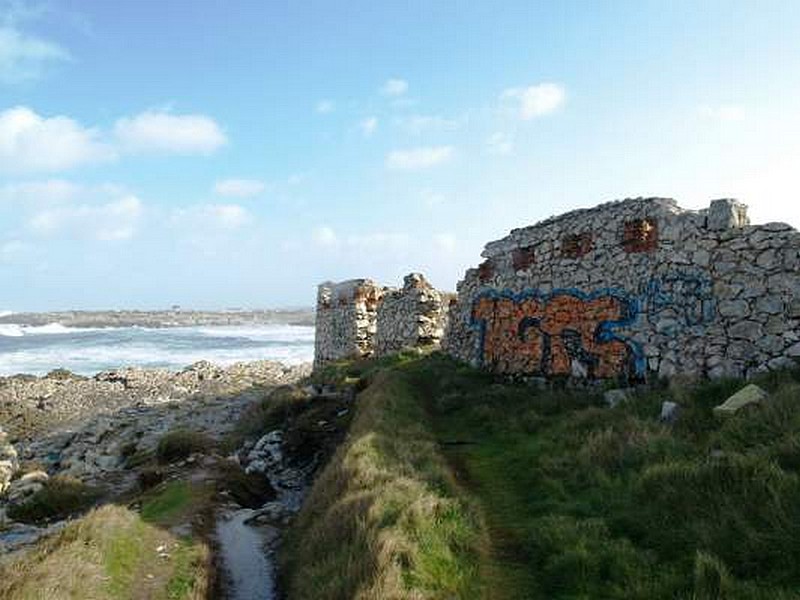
(11, 331)
(5, 313)
(15, 330)
(261, 333)
(50, 329)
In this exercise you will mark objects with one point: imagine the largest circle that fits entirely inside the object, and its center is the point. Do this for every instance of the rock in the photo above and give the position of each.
(748, 396)
(746, 330)
(727, 214)
(614, 397)
(9, 462)
(669, 412)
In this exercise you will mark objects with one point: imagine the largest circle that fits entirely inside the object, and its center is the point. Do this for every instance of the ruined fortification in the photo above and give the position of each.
(631, 289)
(359, 318)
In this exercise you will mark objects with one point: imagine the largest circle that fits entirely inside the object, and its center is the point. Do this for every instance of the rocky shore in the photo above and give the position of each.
(93, 429)
(32, 406)
(162, 318)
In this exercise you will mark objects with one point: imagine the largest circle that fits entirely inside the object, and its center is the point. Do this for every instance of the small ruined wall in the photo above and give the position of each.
(410, 317)
(358, 318)
(346, 320)
(631, 289)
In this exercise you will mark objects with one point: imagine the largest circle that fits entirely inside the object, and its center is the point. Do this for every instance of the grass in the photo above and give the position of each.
(454, 484)
(111, 554)
(61, 497)
(385, 518)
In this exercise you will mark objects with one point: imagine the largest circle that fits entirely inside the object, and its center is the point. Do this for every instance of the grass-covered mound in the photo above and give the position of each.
(114, 553)
(385, 518)
(558, 496)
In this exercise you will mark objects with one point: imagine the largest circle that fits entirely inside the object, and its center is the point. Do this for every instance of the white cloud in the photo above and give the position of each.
(500, 143)
(167, 133)
(211, 217)
(446, 242)
(419, 158)
(116, 220)
(368, 126)
(324, 236)
(324, 107)
(394, 87)
(32, 143)
(536, 100)
(726, 113)
(240, 188)
(24, 57)
(419, 124)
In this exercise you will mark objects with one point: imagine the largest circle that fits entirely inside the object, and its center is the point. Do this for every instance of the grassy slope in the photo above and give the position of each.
(113, 553)
(576, 500)
(385, 518)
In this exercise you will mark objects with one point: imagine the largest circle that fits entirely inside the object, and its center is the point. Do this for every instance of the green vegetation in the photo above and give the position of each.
(271, 412)
(455, 484)
(250, 490)
(110, 554)
(385, 518)
(180, 443)
(60, 498)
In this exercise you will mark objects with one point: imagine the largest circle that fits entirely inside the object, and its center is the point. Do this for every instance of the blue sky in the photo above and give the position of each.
(220, 154)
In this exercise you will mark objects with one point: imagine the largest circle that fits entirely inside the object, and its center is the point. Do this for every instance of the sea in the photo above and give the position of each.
(86, 351)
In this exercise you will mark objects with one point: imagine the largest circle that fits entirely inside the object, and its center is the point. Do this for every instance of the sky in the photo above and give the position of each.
(220, 154)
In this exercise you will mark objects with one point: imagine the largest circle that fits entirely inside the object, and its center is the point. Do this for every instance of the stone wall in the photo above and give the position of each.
(630, 289)
(358, 318)
(410, 317)
(346, 320)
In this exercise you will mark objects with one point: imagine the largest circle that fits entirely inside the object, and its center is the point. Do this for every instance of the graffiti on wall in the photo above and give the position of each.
(566, 331)
(557, 333)
(684, 298)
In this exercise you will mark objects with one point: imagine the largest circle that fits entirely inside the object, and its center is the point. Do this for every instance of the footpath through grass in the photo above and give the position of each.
(455, 485)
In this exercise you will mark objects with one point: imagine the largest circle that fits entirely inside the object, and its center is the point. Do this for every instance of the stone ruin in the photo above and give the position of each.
(358, 318)
(633, 289)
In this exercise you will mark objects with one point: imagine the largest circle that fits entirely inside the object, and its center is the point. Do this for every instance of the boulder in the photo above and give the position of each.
(614, 397)
(749, 395)
(669, 412)
(9, 463)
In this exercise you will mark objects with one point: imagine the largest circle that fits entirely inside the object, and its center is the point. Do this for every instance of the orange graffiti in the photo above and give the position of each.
(547, 335)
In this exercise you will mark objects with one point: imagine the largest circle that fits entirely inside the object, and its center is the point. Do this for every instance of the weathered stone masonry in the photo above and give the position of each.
(358, 318)
(631, 289)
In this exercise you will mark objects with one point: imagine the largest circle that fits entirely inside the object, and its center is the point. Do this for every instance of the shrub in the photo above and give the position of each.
(180, 443)
(248, 490)
(61, 497)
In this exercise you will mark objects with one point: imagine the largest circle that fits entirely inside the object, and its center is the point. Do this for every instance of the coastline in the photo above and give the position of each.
(158, 319)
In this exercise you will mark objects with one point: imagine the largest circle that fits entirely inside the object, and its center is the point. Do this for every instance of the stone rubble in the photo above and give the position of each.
(31, 406)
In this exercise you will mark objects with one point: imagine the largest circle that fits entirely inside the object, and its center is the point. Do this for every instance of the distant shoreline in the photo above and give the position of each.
(161, 318)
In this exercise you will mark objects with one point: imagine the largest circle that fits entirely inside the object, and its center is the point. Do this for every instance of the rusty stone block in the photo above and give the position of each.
(640, 235)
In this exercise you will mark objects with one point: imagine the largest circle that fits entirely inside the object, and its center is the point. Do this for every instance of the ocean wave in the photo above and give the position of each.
(15, 330)
(11, 331)
(260, 333)
(172, 348)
